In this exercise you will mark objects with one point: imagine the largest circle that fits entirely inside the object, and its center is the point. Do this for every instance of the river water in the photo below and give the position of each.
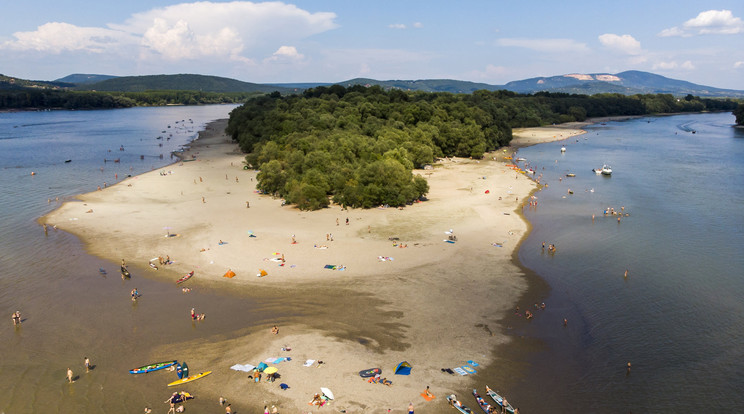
(678, 317)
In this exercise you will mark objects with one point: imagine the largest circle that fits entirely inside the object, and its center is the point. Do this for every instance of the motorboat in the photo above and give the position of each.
(597, 171)
(563, 149)
(606, 170)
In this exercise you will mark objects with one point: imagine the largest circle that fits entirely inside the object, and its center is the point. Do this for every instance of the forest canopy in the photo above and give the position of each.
(357, 146)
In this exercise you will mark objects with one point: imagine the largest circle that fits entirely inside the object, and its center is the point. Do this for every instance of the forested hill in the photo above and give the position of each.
(181, 82)
(357, 146)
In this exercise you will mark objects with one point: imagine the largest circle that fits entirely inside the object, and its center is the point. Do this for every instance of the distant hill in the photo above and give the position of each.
(83, 78)
(626, 83)
(11, 83)
(629, 83)
(183, 82)
(426, 85)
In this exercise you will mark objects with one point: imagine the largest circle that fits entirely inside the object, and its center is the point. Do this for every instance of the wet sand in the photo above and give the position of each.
(435, 305)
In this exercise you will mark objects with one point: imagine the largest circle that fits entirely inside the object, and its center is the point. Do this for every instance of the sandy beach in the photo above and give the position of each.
(396, 290)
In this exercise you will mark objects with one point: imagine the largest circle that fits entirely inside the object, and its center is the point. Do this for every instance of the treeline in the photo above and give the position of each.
(739, 113)
(66, 99)
(357, 146)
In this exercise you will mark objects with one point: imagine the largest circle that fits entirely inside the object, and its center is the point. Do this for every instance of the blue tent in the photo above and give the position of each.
(404, 368)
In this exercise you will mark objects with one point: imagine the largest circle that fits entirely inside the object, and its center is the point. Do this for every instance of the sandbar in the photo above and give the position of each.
(405, 292)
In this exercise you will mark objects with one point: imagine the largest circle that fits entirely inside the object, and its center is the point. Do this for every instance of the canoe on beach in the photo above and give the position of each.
(499, 400)
(481, 402)
(152, 367)
(185, 277)
(189, 379)
(458, 405)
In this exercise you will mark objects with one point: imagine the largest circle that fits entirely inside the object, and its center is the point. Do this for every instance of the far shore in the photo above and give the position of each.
(427, 301)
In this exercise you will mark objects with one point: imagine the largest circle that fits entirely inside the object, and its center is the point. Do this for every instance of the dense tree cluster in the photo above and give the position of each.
(357, 146)
(739, 113)
(25, 98)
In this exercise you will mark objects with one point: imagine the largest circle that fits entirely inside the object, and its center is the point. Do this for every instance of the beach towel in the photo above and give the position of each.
(332, 267)
(473, 363)
(270, 360)
(309, 363)
(460, 371)
(243, 367)
(428, 397)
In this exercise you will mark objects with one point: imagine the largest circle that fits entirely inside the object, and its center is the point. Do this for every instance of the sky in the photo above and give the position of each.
(489, 41)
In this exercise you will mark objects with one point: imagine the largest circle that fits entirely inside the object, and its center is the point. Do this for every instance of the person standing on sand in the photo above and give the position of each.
(410, 408)
(69, 376)
(87, 364)
(16, 316)
(228, 409)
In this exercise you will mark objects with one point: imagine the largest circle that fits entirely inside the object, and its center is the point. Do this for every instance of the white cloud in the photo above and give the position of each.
(545, 45)
(626, 43)
(230, 31)
(286, 54)
(686, 65)
(59, 37)
(491, 73)
(418, 25)
(739, 64)
(708, 22)
(400, 26)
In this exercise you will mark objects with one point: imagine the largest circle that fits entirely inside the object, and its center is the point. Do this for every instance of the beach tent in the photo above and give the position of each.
(262, 366)
(229, 274)
(262, 273)
(404, 368)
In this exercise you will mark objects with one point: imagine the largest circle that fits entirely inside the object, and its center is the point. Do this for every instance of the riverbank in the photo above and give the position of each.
(403, 294)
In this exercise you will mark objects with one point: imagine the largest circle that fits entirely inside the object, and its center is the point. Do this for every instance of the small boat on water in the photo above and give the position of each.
(520, 159)
(500, 400)
(597, 171)
(606, 170)
(152, 367)
(570, 175)
(563, 149)
(458, 405)
(481, 402)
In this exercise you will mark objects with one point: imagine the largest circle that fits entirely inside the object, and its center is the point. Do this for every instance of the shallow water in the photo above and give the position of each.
(69, 309)
(678, 317)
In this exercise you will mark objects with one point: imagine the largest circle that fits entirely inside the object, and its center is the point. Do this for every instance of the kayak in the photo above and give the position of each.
(458, 405)
(500, 400)
(152, 367)
(185, 277)
(189, 379)
(481, 402)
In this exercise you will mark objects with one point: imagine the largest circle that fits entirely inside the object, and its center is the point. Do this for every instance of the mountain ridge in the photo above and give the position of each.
(628, 83)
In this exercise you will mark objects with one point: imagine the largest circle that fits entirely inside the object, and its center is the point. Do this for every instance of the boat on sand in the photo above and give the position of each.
(458, 405)
(501, 401)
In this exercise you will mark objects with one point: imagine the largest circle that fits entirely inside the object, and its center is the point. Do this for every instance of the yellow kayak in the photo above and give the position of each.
(190, 378)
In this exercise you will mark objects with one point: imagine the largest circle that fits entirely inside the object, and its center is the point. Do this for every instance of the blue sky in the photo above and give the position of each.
(334, 40)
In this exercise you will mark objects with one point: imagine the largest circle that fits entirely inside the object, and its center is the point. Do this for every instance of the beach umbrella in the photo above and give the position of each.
(270, 370)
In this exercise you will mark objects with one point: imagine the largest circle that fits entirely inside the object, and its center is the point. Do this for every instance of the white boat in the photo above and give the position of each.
(520, 159)
(597, 171)
(563, 149)
(606, 170)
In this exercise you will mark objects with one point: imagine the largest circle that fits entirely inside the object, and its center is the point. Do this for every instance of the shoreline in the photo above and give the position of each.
(381, 312)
